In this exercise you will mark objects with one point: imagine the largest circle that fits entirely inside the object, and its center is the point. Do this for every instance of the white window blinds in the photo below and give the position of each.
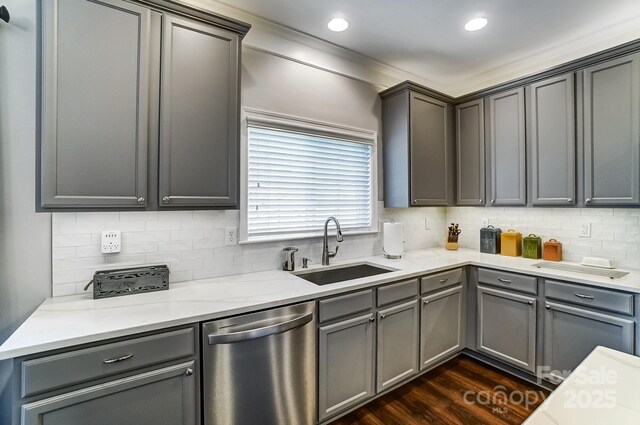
(297, 180)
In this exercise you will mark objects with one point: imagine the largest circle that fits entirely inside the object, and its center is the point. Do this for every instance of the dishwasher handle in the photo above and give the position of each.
(260, 332)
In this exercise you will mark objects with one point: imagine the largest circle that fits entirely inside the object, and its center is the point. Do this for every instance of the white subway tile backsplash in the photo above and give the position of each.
(191, 243)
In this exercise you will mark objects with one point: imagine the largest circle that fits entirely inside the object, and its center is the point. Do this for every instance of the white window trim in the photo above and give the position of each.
(287, 122)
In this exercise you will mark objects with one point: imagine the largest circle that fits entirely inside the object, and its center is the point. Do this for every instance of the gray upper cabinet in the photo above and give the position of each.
(506, 130)
(166, 396)
(418, 150)
(144, 116)
(199, 115)
(397, 344)
(612, 132)
(551, 121)
(470, 170)
(94, 88)
(507, 327)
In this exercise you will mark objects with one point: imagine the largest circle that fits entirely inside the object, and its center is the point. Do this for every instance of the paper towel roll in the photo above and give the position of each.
(393, 239)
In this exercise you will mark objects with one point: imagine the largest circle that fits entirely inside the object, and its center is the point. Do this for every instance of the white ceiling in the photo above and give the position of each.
(427, 37)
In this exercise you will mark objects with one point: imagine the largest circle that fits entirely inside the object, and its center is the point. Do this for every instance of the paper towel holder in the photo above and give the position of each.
(390, 256)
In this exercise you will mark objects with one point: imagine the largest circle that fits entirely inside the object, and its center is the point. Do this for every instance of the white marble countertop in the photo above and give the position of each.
(78, 319)
(603, 389)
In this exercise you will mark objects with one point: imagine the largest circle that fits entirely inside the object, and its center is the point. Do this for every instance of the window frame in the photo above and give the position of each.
(297, 124)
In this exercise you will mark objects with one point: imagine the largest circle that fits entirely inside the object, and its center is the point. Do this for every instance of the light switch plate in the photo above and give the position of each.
(584, 231)
(111, 242)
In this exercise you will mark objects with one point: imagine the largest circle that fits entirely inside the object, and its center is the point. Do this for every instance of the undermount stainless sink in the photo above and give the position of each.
(341, 274)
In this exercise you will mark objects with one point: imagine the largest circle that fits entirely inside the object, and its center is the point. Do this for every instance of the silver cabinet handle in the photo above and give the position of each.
(530, 302)
(141, 200)
(425, 302)
(372, 319)
(165, 200)
(569, 200)
(493, 201)
(547, 306)
(189, 372)
(480, 201)
(117, 359)
(583, 296)
(445, 280)
(382, 315)
(415, 201)
(554, 376)
(225, 338)
(588, 200)
(507, 281)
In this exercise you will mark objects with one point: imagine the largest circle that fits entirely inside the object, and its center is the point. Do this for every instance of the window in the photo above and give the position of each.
(299, 173)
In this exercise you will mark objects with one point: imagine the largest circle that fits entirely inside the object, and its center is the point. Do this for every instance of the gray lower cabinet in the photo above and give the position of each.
(612, 132)
(571, 333)
(551, 121)
(164, 396)
(470, 170)
(199, 141)
(441, 326)
(397, 344)
(94, 88)
(345, 364)
(418, 150)
(507, 327)
(506, 130)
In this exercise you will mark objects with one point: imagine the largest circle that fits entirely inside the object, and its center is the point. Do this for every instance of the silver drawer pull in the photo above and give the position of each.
(372, 319)
(583, 296)
(117, 359)
(547, 306)
(382, 315)
(507, 281)
(445, 280)
(530, 302)
(425, 302)
(189, 371)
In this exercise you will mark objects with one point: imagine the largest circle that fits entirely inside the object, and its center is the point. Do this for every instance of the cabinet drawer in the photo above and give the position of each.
(440, 280)
(345, 305)
(618, 302)
(61, 370)
(516, 282)
(397, 292)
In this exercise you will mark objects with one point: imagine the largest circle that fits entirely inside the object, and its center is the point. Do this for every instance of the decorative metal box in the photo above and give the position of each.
(490, 240)
(532, 247)
(511, 243)
(113, 283)
(552, 250)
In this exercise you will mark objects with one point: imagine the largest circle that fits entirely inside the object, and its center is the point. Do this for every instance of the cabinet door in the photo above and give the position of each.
(507, 146)
(470, 153)
(612, 132)
(552, 140)
(199, 115)
(441, 326)
(161, 397)
(397, 344)
(345, 364)
(507, 327)
(571, 333)
(430, 151)
(94, 87)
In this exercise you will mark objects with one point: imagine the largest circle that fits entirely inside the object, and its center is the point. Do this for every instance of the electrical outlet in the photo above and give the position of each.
(111, 242)
(231, 236)
(585, 230)
(427, 223)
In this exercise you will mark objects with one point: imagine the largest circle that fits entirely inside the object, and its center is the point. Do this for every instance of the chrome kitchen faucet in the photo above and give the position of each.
(326, 254)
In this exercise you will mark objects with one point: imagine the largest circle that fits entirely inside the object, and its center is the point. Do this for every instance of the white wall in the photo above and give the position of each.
(25, 237)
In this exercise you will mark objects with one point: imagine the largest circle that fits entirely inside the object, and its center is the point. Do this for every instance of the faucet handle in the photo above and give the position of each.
(334, 253)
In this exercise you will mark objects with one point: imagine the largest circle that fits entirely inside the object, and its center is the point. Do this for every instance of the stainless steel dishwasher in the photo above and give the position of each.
(259, 369)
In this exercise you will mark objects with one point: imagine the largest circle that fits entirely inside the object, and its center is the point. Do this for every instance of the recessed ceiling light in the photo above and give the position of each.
(338, 24)
(475, 24)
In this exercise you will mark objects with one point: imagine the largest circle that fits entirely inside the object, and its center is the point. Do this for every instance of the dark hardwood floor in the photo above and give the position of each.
(461, 391)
